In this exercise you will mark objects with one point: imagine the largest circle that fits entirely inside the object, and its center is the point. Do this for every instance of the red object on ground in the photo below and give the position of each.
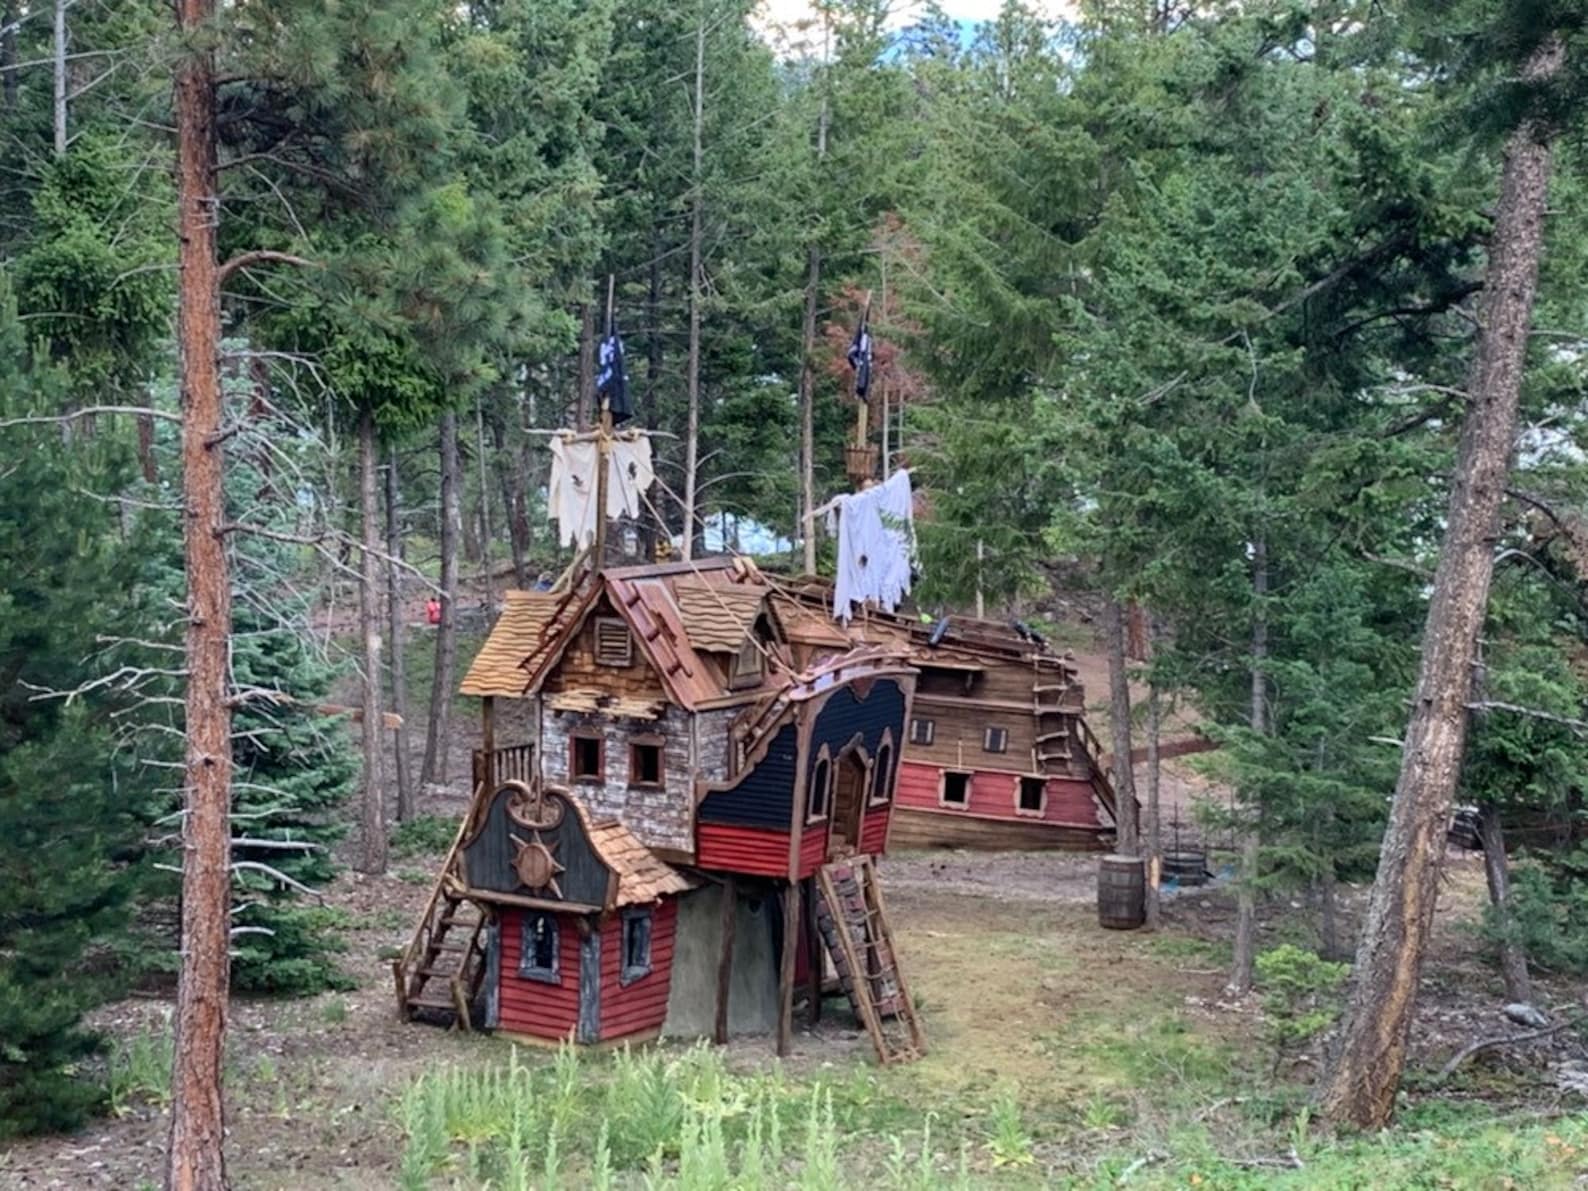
(433, 610)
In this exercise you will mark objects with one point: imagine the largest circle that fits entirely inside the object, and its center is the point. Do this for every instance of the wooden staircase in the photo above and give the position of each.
(440, 972)
(854, 925)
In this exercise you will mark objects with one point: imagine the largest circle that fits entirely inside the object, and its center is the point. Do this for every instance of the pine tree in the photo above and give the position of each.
(71, 820)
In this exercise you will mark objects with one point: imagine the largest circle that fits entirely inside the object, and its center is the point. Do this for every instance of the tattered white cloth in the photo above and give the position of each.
(876, 546)
(571, 491)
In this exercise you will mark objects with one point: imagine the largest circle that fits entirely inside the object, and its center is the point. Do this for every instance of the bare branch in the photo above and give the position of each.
(258, 257)
(1578, 726)
(89, 411)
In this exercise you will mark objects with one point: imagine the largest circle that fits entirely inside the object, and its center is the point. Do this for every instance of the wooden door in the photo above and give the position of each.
(849, 803)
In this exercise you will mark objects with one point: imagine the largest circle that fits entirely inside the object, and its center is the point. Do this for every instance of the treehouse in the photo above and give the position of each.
(997, 753)
(674, 820)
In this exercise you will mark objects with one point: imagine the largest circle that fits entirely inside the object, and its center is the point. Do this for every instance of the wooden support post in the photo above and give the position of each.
(785, 983)
(730, 915)
(488, 741)
(603, 450)
(813, 953)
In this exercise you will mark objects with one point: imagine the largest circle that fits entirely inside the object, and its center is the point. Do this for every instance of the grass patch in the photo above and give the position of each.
(423, 835)
(139, 1071)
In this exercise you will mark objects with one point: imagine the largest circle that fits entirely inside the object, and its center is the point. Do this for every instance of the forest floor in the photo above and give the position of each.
(1058, 1053)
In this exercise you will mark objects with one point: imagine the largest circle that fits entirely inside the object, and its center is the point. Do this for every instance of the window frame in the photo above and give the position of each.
(942, 789)
(600, 741)
(741, 676)
(533, 971)
(989, 733)
(648, 742)
(636, 918)
(883, 766)
(607, 623)
(931, 731)
(1042, 802)
(822, 765)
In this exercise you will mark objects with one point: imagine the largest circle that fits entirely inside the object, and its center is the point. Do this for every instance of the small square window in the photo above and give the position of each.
(956, 789)
(636, 946)
(537, 958)
(584, 761)
(922, 731)
(1032, 795)
(645, 763)
(995, 740)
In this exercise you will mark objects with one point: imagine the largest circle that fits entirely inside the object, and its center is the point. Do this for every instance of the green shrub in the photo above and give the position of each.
(1301, 995)
(423, 835)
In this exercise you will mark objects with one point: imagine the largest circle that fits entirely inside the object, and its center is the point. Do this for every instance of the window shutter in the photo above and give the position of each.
(613, 645)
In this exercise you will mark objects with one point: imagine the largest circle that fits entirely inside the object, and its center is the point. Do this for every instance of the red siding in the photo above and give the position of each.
(741, 849)
(529, 1006)
(639, 1007)
(813, 848)
(874, 829)
(992, 796)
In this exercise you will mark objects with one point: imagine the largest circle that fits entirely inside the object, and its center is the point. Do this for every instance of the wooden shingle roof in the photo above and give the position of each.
(498, 667)
(718, 616)
(642, 876)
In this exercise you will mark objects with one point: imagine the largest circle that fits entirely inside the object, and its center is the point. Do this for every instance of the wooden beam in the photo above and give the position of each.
(730, 915)
(785, 984)
(813, 954)
(488, 735)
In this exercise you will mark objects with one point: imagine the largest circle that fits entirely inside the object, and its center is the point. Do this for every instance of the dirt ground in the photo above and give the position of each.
(1016, 982)
(1014, 978)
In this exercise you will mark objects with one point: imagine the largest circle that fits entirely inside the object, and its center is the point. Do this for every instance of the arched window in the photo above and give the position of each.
(819, 796)
(882, 771)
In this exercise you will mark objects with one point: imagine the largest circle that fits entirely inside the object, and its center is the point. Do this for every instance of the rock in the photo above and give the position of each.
(1572, 1076)
(1526, 1015)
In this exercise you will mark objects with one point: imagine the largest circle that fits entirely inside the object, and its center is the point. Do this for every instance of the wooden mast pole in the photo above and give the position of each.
(603, 450)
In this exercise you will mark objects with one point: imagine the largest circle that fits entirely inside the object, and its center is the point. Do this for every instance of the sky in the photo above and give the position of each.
(789, 13)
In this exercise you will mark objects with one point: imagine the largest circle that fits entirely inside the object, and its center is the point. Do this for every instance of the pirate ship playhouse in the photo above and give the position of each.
(997, 753)
(673, 822)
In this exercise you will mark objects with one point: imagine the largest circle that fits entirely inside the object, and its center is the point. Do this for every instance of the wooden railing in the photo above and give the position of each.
(515, 763)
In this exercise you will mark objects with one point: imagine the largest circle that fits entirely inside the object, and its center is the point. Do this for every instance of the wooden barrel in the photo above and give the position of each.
(1121, 892)
(1188, 867)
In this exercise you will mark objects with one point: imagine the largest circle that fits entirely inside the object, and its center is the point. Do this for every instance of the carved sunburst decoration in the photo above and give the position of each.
(536, 864)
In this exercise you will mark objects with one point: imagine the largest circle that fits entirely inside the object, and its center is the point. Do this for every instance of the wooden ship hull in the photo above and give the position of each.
(997, 754)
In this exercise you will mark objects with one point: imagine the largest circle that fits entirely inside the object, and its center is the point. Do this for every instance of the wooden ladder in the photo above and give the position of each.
(440, 971)
(854, 924)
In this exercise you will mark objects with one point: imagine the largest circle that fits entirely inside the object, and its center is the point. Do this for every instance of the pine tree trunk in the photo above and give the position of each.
(1129, 831)
(1497, 870)
(696, 284)
(60, 78)
(8, 54)
(514, 479)
(486, 581)
(1329, 913)
(1360, 1086)
(372, 855)
(195, 1159)
(434, 769)
(1154, 827)
(807, 386)
(584, 416)
(1245, 950)
(394, 616)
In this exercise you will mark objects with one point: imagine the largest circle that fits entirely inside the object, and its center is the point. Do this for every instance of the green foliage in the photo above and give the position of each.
(1301, 994)
(423, 835)
(1548, 910)
(681, 1118)
(72, 812)
(139, 1070)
